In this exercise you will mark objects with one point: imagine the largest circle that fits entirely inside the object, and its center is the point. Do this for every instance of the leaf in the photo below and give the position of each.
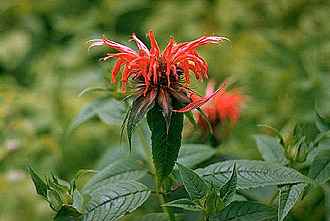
(155, 216)
(107, 109)
(67, 213)
(165, 144)
(322, 123)
(228, 190)
(125, 169)
(214, 203)
(186, 204)
(246, 211)
(191, 118)
(320, 168)
(193, 183)
(140, 106)
(40, 185)
(54, 200)
(191, 155)
(252, 174)
(271, 149)
(114, 201)
(289, 195)
(90, 89)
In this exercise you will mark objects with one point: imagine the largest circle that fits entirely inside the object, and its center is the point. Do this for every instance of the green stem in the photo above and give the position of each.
(162, 199)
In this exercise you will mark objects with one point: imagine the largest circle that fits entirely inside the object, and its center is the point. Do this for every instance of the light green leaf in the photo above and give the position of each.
(40, 185)
(271, 149)
(191, 155)
(186, 204)
(54, 200)
(109, 110)
(114, 201)
(322, 123)
(193, 183)
(246, 211)
(289, 195)
(251, 174)
(320, 168)
(125, 169)
(165, 143)
(228, 190)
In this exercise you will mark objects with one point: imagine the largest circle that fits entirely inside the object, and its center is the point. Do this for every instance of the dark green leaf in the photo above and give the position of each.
(40, 185)
(271, 149)
(184, 204)
(320, 168)
(322, 123)
(155, 217)
(68, 213)
(246, 211)
(289, 195)
(214, 203)
(191, 155)
(193, 183)
(165, 146)
(114, 201)
(251, 174)
(228, 190)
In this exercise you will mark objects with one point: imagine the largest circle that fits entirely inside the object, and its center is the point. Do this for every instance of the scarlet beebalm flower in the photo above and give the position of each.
(224, 107)
(160, 78)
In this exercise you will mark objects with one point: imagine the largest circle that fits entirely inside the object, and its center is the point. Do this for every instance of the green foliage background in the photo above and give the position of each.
(279, 54)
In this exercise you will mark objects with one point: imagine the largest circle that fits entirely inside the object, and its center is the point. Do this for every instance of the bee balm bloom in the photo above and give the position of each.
(159, 77)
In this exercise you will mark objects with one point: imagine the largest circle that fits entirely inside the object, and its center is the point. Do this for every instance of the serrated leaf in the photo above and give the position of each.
(68, 213)
(191, 155)
(125, 169)
(111, 202)
(320, 168)
(228, 190)
(165, 143)
(193, 183)
(246, 211)
(107, 109)
(289, 195)
(271, 149)
(186, 204)
(252, 174)
(322, 123)
(155, 216)
(39, 184)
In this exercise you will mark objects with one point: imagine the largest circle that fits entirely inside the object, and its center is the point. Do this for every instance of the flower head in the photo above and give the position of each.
(159, 77)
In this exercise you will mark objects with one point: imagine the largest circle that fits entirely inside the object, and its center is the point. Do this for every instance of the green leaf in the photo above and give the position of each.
(186, 204)
(322, 123)
(40, 185)
(107, 109)
(155, 216)
(252, 174)
(289, 195)
(271, 149)
(191, 155)
(54, 199)
(246, 211)
(320, 168)
(90, 89)
(165, 144)
(114, 201)
(68, 213)
(125, 169)
(191, 118)
(193, 183)
(214, 203)
(228, 190)
(326, 188)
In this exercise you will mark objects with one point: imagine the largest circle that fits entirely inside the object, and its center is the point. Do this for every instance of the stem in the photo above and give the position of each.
(159, 188)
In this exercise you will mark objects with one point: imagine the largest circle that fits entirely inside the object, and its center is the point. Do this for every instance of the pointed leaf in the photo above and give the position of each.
(165, 146)
(191, 155)
(289, 195)
(67, 213)
(214, 203)
(252, 174)
(40, 185)
(186, 204)
(320, 168)
(193, 183)
(228, 190)
(271, 149)
(114, 201)
(246, 211)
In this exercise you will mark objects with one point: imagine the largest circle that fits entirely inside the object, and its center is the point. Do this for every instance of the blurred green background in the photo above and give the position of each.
(279, 54)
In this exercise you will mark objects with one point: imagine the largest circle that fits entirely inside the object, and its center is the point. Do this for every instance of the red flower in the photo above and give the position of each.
(160, 78)
(224, 107)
